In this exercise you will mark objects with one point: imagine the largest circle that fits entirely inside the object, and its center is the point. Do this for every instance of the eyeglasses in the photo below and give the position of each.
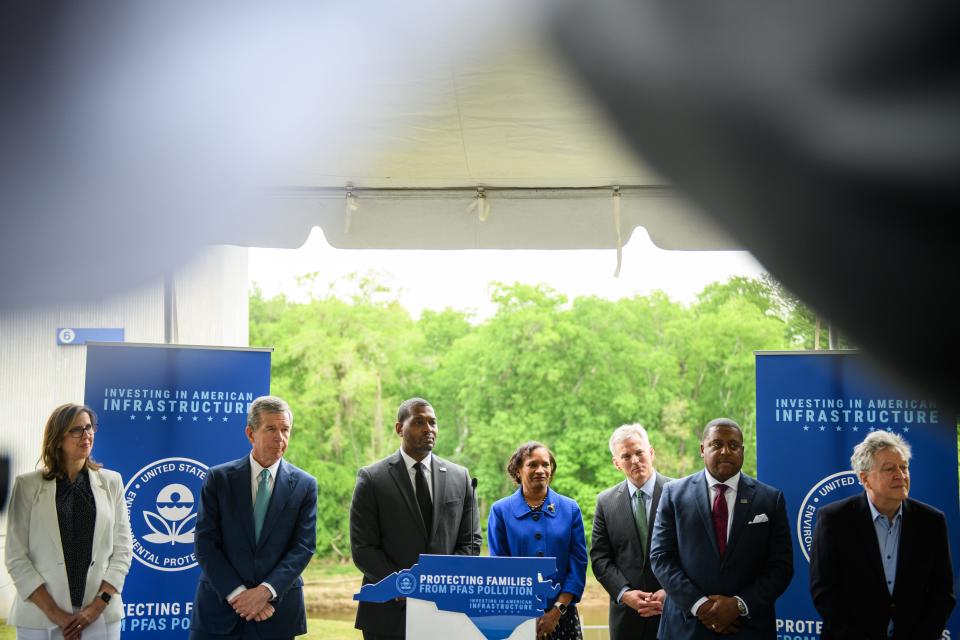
(78, 432)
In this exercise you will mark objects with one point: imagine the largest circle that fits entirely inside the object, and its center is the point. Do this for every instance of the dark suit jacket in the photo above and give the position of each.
(618, 560)
(846, 575)
(387, 533)
(229, 557)
(757, 565)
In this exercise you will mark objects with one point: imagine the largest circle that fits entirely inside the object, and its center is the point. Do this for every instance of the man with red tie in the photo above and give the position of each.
(721, 546)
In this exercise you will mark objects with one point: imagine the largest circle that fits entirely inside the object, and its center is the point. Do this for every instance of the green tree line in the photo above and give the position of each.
(565, 372)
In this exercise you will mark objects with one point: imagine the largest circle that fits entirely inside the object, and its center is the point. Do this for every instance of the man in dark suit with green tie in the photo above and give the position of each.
(620, 552)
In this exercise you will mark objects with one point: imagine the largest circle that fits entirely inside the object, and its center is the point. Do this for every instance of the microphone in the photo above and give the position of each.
(474, 514)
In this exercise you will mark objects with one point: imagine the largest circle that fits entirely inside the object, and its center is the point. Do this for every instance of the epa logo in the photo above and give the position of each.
(161, 501)
(174, 514)
(406, 583)
(830, 489)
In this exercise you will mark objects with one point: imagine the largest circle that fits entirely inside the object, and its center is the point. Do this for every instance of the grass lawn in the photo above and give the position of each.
(318, 628)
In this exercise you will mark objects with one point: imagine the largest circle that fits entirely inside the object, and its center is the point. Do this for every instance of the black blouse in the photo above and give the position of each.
(77, 513)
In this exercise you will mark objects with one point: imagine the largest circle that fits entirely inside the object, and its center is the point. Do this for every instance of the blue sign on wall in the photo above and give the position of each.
(74, 336)
(166, 415)
(812, 409)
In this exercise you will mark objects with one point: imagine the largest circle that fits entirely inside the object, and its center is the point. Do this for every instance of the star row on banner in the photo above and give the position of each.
(841, 428)
(163, 417)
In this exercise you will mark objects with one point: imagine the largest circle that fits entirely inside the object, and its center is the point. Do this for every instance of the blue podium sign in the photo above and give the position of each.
(812, 409)
(166, 415)
(496, 594)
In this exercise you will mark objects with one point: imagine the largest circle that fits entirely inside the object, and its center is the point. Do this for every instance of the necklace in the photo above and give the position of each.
(536, 507)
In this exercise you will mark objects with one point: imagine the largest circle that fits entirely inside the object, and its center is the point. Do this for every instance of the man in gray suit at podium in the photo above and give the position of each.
(409, 503)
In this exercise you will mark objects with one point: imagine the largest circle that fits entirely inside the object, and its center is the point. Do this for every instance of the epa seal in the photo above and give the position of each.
(161, 500)
(406, 583)
(830, 489)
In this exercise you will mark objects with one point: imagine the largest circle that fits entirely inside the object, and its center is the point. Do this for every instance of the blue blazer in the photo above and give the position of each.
(512, 531)
(757, 565)
(229, 556)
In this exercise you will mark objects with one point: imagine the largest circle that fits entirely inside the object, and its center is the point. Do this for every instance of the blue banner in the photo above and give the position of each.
(812, 409)
(166, 415)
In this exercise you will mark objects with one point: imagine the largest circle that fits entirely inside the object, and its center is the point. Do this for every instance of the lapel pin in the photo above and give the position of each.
(744, 501)
(443, 468)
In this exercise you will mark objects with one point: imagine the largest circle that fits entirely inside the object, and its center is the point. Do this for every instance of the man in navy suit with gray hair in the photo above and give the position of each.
(880, 561)
(256, 532)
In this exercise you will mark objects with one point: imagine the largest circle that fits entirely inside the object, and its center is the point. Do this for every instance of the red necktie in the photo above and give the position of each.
(720, 518)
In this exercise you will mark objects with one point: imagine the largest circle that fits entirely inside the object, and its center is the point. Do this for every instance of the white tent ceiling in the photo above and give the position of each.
(160, 136)
(516, 126)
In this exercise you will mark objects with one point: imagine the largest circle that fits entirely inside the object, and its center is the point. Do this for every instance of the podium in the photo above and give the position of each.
(469, 597)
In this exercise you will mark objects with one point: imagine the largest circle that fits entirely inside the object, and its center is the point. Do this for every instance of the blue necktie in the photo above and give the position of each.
(263, 501)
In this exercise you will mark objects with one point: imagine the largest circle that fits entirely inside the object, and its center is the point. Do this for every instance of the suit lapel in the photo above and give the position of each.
(402, 479)
(239, 480)
(742, 508)
(102, 505)
(907, 545)
(47, 499)
(624, 508)
(701, 491)
(657, 491)
(283, 489)
(438, 473)
(651, 519)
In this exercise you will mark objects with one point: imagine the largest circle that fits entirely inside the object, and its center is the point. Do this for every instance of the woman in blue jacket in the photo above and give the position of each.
(537, 521)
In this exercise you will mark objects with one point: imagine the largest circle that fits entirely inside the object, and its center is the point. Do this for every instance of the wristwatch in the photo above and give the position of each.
(741, 607)
(103, 595)
(562, 608)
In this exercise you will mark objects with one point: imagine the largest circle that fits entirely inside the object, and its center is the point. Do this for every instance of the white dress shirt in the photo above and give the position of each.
(733, 483)
(427, 462)
(255, 470)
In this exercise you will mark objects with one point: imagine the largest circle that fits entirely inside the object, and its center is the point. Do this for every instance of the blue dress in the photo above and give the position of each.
(514, 530)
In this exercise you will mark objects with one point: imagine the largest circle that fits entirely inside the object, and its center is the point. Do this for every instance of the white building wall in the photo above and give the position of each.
(36, 375)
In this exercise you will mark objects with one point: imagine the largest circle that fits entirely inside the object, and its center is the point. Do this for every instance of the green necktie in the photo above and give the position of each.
(640, 513)
(262, 502)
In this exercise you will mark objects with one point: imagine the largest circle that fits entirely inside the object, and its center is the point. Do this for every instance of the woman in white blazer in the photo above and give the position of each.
(68, 537)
